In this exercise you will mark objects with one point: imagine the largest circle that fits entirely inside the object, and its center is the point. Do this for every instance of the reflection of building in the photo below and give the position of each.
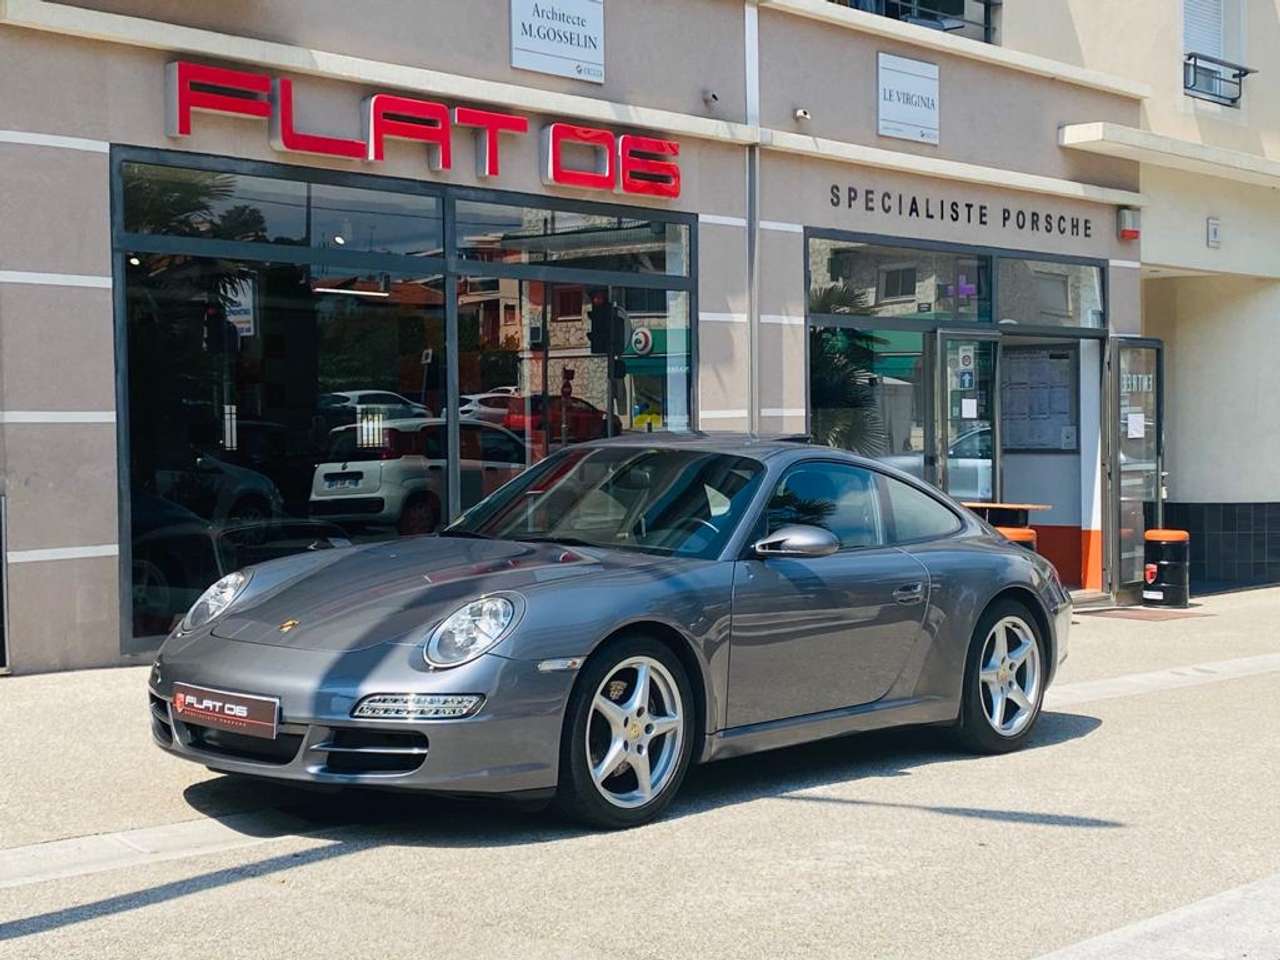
(173, 300)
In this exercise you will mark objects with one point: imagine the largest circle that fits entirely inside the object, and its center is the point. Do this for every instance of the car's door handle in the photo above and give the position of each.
(910, 593)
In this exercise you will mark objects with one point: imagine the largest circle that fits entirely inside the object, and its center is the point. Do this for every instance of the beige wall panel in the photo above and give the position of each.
(722, 368)
(989, 115)
(782, 290)
(57, 348)
(800, 190)
(54, 210)
(1222, 434)
(782, 367)
(1124, 299)
(1175, 225)
(64, 614)
(660, 53)
(722, 269)
(61, 485)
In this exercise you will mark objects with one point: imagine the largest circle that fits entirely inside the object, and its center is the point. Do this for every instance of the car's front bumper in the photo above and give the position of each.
(510, 745)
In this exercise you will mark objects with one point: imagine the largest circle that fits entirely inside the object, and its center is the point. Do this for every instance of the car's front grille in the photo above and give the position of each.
(224, 743)
(347, 506)
(351, 750)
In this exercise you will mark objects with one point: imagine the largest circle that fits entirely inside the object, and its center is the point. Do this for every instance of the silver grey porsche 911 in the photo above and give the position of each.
(617, 612)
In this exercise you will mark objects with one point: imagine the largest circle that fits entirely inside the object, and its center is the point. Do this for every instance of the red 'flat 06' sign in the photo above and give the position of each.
(602, 160)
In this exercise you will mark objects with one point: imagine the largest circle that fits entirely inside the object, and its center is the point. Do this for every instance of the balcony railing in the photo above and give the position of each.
(1209, 78)
(967, 18)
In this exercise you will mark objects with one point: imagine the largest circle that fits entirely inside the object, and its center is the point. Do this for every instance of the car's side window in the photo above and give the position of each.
(834, 496)
(500, 447)
(916, 515)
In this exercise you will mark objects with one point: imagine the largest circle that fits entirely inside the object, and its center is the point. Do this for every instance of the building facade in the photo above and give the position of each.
(1209, 153)
(286, 276)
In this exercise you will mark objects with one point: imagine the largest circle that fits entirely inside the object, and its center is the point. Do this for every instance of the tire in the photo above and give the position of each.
(419, 515)
(1019, 681)
(606, 688)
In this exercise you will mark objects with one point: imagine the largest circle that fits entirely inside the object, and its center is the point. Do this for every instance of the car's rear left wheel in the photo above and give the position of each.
(627, 737)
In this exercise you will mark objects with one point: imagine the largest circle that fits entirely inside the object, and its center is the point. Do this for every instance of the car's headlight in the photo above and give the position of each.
(470, 631)
(214, 602)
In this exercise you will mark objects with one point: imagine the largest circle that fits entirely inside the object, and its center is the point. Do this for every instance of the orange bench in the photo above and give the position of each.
(1023, 536)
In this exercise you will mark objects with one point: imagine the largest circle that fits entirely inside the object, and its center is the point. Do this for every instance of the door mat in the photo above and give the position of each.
(1142, 613)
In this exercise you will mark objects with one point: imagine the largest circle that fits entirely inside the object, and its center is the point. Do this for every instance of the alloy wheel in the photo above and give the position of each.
(635, 732)
(1009, 676)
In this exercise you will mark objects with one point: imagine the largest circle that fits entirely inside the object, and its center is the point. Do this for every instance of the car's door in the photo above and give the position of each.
(820, 633)
(502, 457)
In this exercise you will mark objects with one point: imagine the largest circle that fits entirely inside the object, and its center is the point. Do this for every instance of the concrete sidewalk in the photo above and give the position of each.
(1130, 803)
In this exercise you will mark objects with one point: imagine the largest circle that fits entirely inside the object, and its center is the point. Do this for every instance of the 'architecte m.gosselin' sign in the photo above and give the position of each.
(561, 37)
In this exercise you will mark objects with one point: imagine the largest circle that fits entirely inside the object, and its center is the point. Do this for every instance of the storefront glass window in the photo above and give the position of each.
(1046, 293)
(213, 205)
(276, 407)
(504, 233)
(868, 392)
(898, 282)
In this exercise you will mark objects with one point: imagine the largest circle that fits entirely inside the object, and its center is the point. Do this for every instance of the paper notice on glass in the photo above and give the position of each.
(1015, 434)
(1137, 424)
(1060, 400)
(969, 408)
(1043, 434)
(1039, 402)
(1038, 370)
(1068, 441)
(1061, 373)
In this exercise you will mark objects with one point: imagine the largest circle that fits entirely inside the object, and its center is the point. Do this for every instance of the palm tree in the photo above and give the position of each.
(843, 399)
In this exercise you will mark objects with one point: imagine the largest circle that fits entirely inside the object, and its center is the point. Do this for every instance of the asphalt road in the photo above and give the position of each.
(1144, 821)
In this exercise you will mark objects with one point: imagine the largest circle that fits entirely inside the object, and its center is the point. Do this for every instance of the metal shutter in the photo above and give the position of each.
(1202, 27)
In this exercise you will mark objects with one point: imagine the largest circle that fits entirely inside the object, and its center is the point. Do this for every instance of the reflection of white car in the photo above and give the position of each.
(968, 465)
(490, 407)
(506, 391)
(384, 403)
(395, 476)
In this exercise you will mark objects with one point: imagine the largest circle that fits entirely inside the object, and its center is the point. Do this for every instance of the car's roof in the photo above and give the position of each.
(758, 446)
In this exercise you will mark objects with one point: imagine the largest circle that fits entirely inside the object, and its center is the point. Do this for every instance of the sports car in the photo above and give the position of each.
(616, 613)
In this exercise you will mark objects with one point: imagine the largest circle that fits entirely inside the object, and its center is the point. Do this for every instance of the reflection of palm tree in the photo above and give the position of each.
(842, 384)
(787, 507)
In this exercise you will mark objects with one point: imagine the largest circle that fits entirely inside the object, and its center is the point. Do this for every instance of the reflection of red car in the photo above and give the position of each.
(527, 416)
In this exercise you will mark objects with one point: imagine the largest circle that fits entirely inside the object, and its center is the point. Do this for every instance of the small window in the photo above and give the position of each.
(897, 283)
(833, 496)
(916, 515)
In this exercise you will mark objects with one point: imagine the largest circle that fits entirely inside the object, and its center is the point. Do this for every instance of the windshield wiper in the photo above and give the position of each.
(562, 541)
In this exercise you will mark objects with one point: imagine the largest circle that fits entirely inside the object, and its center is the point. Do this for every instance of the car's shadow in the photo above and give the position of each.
(798, 773)
(352, 821)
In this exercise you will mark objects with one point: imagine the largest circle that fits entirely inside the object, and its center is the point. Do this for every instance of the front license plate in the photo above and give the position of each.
(237, 712)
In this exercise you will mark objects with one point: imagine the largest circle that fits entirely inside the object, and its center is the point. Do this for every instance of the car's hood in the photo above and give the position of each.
(354, 598)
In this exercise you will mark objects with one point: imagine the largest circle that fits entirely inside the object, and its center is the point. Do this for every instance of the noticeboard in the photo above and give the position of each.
(1040, 399)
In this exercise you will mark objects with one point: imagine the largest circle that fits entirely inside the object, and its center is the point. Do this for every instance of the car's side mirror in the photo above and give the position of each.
(798, 540)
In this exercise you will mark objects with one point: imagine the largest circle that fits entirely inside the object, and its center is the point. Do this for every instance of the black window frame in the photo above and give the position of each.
(449, 266)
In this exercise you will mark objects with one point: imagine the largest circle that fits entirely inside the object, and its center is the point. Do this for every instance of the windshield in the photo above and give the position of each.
(683, 503)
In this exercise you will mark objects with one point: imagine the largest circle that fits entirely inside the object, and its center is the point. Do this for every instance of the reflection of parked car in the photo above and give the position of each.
(968, 464)
(173, 560)
(396, 477)
(490, 407)
(212, 488)
(579, 419)
(388, 405)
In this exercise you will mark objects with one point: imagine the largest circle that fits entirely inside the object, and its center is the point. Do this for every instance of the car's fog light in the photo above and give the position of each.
(417, 706)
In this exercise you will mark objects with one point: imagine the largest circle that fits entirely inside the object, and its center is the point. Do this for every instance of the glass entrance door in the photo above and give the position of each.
(1136, 368)
(967, 405)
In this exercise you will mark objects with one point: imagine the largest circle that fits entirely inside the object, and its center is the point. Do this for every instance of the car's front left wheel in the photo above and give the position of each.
(628, 735)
